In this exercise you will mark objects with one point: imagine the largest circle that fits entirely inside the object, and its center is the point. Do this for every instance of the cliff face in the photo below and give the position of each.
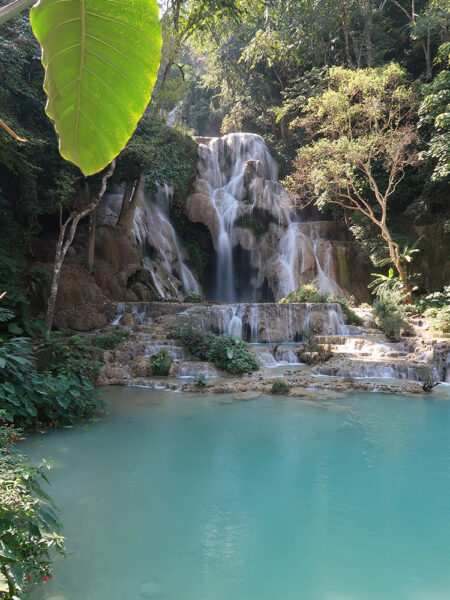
(83, 297)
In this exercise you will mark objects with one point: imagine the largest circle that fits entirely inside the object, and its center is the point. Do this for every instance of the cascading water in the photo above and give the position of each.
(152, 229)
(238, 197)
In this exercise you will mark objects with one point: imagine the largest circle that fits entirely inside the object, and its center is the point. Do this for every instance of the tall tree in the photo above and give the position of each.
(363, 121)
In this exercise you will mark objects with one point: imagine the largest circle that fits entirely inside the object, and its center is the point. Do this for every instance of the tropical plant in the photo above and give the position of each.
(193, 297)
(30, 529)
(439, 318)
(308, 293)
(161, 363)
(434, 116)
(389, 312)
(228, 352)
(279, 387)
(59, 394)
(90, 60)
(200, 380)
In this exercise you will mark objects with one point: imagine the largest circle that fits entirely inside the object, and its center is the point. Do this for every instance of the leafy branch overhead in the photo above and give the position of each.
(101, 60)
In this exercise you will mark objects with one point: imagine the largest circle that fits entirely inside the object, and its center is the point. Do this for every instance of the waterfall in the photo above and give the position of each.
(153, 231)
(239, 198)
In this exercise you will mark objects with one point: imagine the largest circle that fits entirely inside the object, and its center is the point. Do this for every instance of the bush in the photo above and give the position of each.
(28, 522)
(193, 297)
(201, 380)
(108, 341)
(435, 300)
(313, 353)
(439, 318)
(305, 293)
(308, 293)
(280, 387)
(161, 363)
(389, 312)
(228, 352)
(62, 392)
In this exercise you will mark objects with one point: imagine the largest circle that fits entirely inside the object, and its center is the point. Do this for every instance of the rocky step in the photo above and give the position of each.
(339, 366)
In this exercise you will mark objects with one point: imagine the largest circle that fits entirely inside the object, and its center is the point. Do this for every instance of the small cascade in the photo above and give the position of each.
(155, 235)
(270, 322)
(238, 197)
(381, 370)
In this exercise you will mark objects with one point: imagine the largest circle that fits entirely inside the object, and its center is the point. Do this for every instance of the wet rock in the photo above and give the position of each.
(141, 366)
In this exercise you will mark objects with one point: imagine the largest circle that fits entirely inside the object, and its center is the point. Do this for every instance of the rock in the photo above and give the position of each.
(142, 366)
(129, 319)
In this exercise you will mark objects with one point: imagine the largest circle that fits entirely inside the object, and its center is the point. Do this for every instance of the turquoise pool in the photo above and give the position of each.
(176, 497)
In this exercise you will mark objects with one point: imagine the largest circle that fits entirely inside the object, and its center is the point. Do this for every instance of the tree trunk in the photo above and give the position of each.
(91, 239)
(346, 35)
(165, 77)
(399, 267)
(130, 199)
(66, 234)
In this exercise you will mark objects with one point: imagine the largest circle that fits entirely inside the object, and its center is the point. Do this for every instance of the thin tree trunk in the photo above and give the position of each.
(66, 234)
(130, 199)
(165, 77)
(346, 35)
(91, 239)
(395, 257)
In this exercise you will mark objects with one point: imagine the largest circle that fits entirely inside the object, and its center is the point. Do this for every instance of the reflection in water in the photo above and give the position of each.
(176, 497)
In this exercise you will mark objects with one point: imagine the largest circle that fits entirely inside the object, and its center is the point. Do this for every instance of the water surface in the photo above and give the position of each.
(175, 497)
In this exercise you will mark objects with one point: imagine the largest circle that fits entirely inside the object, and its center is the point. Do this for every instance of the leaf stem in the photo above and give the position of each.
(13, 8)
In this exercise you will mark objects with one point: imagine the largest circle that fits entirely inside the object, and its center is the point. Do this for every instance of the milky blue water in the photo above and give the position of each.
(205, 498)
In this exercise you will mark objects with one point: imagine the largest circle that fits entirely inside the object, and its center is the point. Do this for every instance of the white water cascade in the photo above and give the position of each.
(239, 198)
(152, 228)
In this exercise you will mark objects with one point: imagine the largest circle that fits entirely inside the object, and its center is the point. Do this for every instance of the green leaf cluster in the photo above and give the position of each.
(29, 524)
(161, 363)
(228, 352)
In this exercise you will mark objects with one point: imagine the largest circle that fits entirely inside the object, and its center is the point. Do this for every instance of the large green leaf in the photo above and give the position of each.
(101, 59)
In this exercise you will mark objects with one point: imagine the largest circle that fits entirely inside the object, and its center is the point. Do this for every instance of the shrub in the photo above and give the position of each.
(201, 380)
(161, 363)
(308, 293)
(108, 341)
(280, 387)
(435, 300)
(60, 394)
(228, 352)
(389, 311)
(28, 521)
(305, 293)
(313, 353)
(193, 297)
(439, 318)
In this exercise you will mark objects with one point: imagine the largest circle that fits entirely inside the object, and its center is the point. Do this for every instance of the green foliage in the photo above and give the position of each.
(279, 387)
(435, 117)
(59, 394)
(161, 363)
(389, 312)
(108, 341)
(305, 293)
(165, 154)
(434, 300)
(439, 318)
(193, 297)
(384, 283)
(201, 381)
(311, 352)
(89, 70)
(28, 520)
(308, 293)
(228, 352)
